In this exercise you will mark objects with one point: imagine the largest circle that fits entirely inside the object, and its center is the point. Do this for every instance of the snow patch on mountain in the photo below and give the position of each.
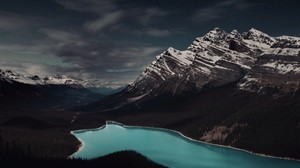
(183, 57)
(48, 80)
(283, 68)
(283, 51)
(218, 58)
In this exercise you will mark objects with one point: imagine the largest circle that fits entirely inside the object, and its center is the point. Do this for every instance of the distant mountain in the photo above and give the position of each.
(10, 76)
(20, 94)
(237, 89)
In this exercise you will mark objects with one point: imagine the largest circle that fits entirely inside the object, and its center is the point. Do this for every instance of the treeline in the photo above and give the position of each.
(119, 159)
(15, 151)
(46, 143)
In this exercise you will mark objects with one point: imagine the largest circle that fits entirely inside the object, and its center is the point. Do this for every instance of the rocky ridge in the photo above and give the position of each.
(253, 59)
(11, 77)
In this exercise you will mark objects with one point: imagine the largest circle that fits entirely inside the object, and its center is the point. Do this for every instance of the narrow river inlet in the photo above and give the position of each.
(169, 148)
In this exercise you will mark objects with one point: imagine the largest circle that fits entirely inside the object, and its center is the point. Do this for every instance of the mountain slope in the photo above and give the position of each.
(237, 89)
(254, 59)
(18, 96)
(10, 76)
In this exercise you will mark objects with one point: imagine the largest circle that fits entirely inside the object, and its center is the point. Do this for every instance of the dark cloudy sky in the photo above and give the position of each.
(114, 40)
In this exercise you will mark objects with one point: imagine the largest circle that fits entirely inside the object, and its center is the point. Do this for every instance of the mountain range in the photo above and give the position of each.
(22, 95)
(10, 76)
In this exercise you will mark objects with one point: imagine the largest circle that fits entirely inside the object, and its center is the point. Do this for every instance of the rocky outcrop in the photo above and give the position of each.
(253, 59)
(277, 68)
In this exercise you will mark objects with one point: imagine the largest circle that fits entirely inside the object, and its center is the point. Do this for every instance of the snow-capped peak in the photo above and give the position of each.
(215, 35)
(287, 42)
(234, 32)
(60, 79)
(257, 33)
(258, 36)
(220, 58)
(183, 57)
(10, 76)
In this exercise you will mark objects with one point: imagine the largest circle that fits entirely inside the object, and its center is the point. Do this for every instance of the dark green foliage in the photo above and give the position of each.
(26, 122)
(50, 143)
(39, 149)
(119, 159)
(28, 98)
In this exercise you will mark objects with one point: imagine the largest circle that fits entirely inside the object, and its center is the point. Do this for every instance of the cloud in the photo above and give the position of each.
(103, 22)
(82, 55)
(107, 61)
(60, 35)
(207, 14)
(29, 48)
(107, 12)
(218, 10)
(158, 32)
(150, 15)
(83, 50)
(153, 32)
(107, 56)
(28, 68)
(135, 56)
(10, 21)
(94, 6)
(110, 13)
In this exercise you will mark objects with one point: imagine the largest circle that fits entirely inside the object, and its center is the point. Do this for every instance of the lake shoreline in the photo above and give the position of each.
(173, 131)
(80, 146)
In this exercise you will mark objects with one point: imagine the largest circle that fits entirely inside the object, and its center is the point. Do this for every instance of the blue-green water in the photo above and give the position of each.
(170, 149)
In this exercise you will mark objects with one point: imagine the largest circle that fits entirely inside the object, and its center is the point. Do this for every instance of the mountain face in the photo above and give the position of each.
(253, 59)
(52, 93)
(10, 76)
(236, 89)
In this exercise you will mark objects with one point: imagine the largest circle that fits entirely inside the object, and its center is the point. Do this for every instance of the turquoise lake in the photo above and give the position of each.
(169, 148)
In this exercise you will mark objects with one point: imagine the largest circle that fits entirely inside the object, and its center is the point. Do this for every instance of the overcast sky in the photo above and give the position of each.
(112, 41)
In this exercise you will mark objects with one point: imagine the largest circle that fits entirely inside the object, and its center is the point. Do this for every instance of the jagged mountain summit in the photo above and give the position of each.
(10, 76)
(253, 59)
